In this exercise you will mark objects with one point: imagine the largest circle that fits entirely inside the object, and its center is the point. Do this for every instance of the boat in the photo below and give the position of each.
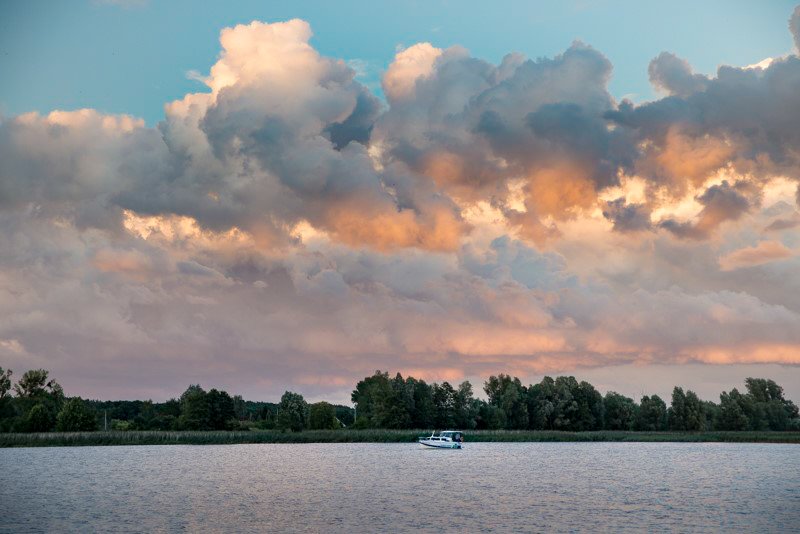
(447, 439)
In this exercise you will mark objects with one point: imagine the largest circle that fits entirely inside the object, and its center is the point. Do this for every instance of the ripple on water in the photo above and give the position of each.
(488, 487)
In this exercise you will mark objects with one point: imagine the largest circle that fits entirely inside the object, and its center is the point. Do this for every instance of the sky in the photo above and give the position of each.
(290, 195)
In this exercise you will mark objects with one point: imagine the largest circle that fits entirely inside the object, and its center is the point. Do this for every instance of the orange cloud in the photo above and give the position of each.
(763, 252)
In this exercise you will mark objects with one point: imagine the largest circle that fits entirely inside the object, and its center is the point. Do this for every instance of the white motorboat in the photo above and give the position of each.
(448, 439)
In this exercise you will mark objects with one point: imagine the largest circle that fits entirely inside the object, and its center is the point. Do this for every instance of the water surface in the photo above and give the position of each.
(490, 487)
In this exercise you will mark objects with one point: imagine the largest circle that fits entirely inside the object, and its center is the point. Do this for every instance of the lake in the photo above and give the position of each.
(491, 487)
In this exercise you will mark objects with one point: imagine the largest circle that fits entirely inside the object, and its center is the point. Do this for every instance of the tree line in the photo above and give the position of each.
(564, 404)
(37, 403)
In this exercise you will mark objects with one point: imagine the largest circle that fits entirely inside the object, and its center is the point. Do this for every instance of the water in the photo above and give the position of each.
(491, 487)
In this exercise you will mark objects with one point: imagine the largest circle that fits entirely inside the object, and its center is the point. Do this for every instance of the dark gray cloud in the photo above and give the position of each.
(721, 203)
(627, 217)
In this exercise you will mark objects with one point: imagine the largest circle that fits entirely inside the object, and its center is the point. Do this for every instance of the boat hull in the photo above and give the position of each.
(441, 444)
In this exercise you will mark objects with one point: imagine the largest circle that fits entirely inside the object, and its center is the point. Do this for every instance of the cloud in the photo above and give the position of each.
(674, 75)
(412, 64)
(783, 224)
(627, 217)
(720, 203)
(794, 27)
(285, 224)
(764, 252)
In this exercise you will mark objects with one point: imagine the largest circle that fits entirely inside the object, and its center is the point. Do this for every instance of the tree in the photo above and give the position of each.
(443, 399)
(423, 415)
(490, 417)
(510, 395)
(370, 398)
(221, 410)
(620, 411)
(564, 404)
(541, 404)
(397, 405)
(6, 407)
(34, 389)
(732, 415)
(292, 412)
(194, 409)
(34, 385)
(768, 409)
(686, 412)
(76, 416)
(5, 383)
(322, 416)
(464, 407)
(652, 414)
(695, 412)
(38, 419)
(677, 411)
(240, 408)
(590, 408)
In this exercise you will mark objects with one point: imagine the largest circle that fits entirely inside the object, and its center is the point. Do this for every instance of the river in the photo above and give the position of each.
(490, 487)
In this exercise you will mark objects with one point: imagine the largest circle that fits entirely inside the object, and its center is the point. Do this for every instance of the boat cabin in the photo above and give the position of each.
(447, 435)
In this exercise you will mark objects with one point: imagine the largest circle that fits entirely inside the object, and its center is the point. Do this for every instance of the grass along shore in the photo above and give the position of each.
(69, 439)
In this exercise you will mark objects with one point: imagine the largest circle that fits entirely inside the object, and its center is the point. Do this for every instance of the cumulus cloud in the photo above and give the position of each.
(287, 227)
(674, 75)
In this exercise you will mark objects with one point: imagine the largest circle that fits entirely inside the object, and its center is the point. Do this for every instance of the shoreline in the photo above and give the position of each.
(155, 437)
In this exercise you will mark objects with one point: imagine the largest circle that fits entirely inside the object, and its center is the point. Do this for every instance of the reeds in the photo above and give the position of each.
(67, 439)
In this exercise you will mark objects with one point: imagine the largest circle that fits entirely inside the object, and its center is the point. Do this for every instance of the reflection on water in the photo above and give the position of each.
(400, 487)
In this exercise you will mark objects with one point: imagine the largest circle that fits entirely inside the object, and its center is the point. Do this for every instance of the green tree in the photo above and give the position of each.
(370, 397)
(76, 416)
(695, 412)
(444, 400)
(510, 395)
(34, 385)
(677, 411)
(221, 410)
(767, 407)
(423, 414)
(194, 409)
(564, 404)
(292, 412)
(620, 411)
(652, 414)
(38, 419)
(6, 406)
(5, 383)
(590, 407)
(34, 389)
(732, 414)
(686, 412)
(322, 416)
(490, 417)
(397, 405)
(464, 407)
(240, 408)
(541, 403)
